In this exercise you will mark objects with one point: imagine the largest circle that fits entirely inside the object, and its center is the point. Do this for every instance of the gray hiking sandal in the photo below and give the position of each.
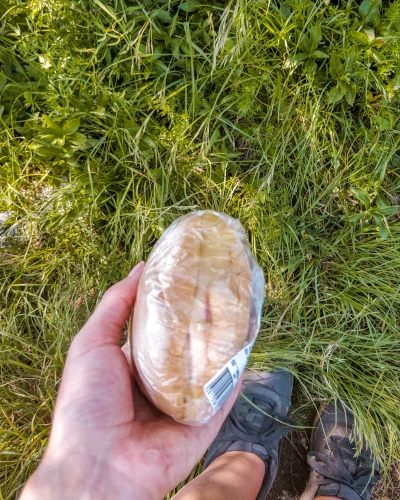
(257, 426)
(335, 469)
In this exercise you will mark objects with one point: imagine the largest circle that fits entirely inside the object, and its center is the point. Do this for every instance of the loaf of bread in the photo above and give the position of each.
(198, 305)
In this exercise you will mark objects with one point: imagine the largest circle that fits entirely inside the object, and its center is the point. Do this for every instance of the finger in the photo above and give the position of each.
(105, 325)
(126, 349)
(144, 409)
(199, 437)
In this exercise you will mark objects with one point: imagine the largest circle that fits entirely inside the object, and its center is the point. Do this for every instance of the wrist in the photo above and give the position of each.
(50, 481)
(55, 479)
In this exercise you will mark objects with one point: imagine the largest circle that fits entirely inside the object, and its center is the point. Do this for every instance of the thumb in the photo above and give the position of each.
(105, 324)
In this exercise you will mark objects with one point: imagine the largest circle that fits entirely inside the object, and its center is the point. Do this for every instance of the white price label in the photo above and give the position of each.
(220, 387)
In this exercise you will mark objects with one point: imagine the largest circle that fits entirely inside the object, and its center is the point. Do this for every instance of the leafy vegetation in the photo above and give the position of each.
(118, 116)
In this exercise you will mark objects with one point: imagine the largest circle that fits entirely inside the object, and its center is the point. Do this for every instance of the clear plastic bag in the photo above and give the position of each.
(197, 315)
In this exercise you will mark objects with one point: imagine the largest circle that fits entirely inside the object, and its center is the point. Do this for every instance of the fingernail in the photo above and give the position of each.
(137, 269)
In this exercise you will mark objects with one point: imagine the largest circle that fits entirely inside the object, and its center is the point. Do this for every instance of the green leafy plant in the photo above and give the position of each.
(309, 50)
(369, 11)
(342, 73)
(58, 140)
(370, 41)
(378, 211)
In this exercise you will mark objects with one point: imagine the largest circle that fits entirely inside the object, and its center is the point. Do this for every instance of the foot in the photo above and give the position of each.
(335, 469)
(257, 422)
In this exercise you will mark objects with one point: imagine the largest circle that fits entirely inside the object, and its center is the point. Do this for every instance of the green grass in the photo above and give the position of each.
(119, 116)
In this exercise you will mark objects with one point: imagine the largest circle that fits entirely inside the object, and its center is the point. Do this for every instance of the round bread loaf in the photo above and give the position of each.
(198, 304)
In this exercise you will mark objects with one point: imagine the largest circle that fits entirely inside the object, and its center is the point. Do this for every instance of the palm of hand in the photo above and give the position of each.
(107, 440)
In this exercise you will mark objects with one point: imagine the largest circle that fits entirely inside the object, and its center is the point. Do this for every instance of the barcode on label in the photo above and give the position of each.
(220, 389)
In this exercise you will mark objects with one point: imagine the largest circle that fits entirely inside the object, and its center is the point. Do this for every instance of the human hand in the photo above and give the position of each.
(107, 439)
